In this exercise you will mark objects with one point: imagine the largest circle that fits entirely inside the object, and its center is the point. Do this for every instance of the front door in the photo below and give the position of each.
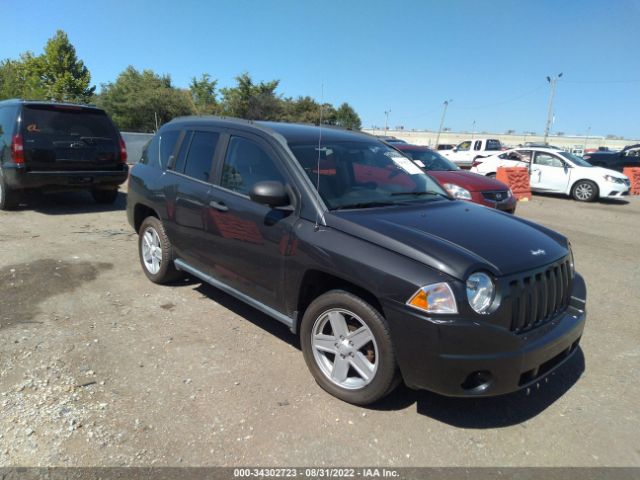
(549, 173)
(251, 240)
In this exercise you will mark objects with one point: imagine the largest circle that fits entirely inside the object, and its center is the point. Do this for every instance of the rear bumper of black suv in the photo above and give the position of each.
(469, 359)
(17, 178)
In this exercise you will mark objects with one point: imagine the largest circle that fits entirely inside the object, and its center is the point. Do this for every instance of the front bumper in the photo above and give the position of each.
(614, 190)
(469, 359)
(19, 179)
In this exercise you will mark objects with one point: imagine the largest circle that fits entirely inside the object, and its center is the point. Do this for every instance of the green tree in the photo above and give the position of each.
(57, 74)
(346, 116)
(203, 95)
(143, 101)
(252, 101)
(64, 77)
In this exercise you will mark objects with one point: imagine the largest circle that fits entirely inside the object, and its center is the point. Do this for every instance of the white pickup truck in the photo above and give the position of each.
(466, 152)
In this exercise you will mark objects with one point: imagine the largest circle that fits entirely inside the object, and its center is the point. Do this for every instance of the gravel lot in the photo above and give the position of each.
(98, 366)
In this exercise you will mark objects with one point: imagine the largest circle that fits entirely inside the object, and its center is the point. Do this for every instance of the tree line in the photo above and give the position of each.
(141, 101)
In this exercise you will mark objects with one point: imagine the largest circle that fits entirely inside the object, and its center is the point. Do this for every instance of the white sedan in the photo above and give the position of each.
(556, 171)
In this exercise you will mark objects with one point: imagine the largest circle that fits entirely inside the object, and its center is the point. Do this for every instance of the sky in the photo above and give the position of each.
(491, 58)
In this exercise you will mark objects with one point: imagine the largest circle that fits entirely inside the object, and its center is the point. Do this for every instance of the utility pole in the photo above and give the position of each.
(586, 138)
(473, 131)
(553, 82)
(444, 112)
(386, 121)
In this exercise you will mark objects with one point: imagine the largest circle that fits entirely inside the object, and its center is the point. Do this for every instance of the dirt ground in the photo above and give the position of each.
(98, 366)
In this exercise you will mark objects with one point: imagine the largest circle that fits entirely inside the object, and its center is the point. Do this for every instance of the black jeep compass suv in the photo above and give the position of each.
(342, 238)
(58, 146)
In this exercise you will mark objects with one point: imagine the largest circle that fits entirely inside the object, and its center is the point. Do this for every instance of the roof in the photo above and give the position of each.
(18, 101)
(292, 132)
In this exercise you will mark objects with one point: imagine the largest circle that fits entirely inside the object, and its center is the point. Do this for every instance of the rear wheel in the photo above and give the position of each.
(156, 252)
(347, 346)
(105, 196)
(585, 191)
(9, 199)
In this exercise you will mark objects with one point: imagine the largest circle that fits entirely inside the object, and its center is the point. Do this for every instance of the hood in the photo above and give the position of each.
(455, 237)
(471, 181)
(606, 171)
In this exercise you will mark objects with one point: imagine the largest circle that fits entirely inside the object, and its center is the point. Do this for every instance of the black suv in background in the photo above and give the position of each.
(58, 146)
(342, 238)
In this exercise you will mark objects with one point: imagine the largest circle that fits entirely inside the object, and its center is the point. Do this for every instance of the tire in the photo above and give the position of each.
(328, 336)
(491, 175)
(105, 196)
(585, 191)
(9, 199)
(156, 252)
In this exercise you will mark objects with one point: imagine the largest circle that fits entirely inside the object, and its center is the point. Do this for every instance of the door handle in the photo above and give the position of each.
(218, 206)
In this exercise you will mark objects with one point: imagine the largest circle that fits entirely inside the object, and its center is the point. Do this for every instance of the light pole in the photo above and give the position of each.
(473, 131)
(444, 112)
(553, 81)
(386, 121)
(586, 138)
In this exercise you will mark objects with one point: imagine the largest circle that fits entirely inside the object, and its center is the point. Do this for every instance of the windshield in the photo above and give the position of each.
(362, 174)
(575, 159)
(430, 160)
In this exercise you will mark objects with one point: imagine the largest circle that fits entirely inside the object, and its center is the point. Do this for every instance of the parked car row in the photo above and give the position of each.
(381, 270)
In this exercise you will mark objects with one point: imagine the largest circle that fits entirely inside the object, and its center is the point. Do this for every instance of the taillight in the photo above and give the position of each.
(123, 151)
(17, 149)
(476, 163)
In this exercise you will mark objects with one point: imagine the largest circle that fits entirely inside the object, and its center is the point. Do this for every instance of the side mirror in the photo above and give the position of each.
(454, 149)
(271, 193)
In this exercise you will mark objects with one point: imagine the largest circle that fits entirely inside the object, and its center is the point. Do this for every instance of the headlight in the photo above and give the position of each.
(509, 193)
(480, 291)
(612, 179)
(436, 298)
(457, 191)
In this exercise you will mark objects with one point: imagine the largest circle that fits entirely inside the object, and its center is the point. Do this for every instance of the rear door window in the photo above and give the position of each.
(168, 142)
(200, 157)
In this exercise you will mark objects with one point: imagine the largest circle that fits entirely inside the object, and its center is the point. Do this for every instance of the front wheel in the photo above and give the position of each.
(347, 346)
(491, 175)
(585, 191)
(156, 252)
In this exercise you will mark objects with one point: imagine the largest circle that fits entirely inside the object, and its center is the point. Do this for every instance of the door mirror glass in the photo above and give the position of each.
(269, 192)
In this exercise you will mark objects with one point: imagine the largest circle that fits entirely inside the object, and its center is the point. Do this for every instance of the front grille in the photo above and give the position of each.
(537, 297)
(497, 196)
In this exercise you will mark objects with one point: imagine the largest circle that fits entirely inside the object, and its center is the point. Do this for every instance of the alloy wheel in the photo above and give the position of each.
(151, 250)
(344, 349)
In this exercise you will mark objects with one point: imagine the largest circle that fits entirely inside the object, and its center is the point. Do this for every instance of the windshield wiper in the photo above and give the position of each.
(426, 192)
(367, 205)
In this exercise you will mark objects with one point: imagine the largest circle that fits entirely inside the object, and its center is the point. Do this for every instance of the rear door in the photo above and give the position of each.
(187, 196)
(69, 138)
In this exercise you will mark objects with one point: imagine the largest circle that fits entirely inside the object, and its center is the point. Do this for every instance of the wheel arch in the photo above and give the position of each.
(317, 282)
(140, 212)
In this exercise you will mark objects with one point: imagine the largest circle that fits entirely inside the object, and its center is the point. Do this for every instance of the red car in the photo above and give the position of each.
(459, 183)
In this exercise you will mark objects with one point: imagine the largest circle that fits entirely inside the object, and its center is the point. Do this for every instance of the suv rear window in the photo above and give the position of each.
(62, 122)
